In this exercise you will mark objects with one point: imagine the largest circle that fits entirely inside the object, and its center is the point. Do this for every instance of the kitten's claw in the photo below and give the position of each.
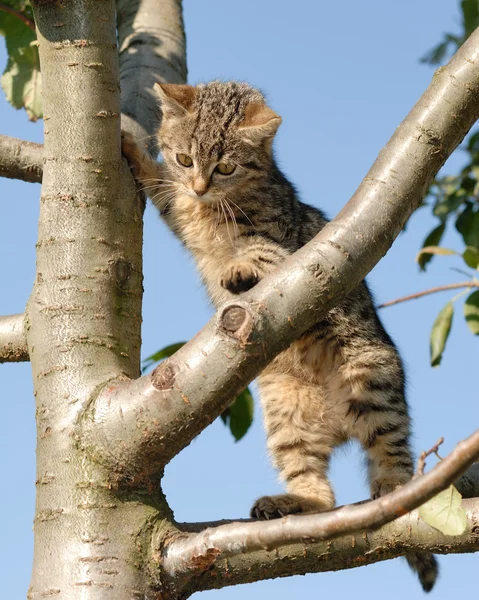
(239, 278)
(275, 507)
(131, 151)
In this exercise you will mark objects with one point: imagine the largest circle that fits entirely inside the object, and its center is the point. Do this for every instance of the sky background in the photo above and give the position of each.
(342, 75)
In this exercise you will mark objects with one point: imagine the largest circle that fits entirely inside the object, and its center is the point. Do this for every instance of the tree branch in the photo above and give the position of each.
(441, 288)
(13, 342)
(20, 159)
(406, 534)
(152, 48)
(137, 427)
(17, 13)
(188, 557)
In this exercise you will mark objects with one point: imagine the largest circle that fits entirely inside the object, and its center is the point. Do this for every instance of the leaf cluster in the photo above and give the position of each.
(454, 200)
(21, 79)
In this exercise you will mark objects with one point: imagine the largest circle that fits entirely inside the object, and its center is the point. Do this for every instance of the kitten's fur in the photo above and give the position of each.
(344, 378)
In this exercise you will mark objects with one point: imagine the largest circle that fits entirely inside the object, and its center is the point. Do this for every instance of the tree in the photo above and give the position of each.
(97, 304)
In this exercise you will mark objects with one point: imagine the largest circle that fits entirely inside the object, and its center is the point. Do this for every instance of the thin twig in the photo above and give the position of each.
(421, 463)
(442, 288)
(16, 13)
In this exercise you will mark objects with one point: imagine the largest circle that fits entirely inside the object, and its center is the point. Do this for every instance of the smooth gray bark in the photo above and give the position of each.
(13, 342)
(85, 308)
(152, 49)
(149, 420)
(20, 159)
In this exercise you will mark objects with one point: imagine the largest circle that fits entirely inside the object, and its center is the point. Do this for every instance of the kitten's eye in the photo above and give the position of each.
(184, 160)
(225, 168)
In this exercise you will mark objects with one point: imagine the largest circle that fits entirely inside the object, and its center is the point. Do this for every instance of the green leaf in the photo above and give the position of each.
(471, 257)
(432, 239)
(447, 203)
(436, 54)
(440, 332)
(161, 355)
(467, 224)
(239, 415)
(473, 142)
(470, 11)
(429, 250)
(471, 312)
(444, 512)
(21, 79)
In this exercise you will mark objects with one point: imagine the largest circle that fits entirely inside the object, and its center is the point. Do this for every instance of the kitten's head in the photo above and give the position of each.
(215, 138)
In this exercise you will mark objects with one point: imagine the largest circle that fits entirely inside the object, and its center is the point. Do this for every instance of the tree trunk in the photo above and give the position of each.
(84, 314)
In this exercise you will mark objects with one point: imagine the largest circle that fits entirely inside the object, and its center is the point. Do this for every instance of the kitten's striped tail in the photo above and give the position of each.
(426, 567)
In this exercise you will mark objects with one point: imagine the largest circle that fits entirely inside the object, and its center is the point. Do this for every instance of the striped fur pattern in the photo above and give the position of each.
(344, 378)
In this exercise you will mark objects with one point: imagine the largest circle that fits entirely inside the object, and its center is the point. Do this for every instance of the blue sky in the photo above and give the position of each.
(342, 75)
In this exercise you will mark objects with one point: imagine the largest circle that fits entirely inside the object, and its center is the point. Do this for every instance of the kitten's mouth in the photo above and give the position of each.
(207, 198)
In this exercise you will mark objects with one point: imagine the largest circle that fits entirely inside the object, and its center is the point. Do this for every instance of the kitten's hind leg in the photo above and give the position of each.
(300, 445)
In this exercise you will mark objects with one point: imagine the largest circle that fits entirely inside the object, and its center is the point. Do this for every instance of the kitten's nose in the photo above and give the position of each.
(200, 186)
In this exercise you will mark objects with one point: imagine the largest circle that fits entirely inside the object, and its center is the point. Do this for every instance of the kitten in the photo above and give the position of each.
(222, 193)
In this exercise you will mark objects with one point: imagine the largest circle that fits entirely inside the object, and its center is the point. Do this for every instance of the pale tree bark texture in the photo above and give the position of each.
(103, 529)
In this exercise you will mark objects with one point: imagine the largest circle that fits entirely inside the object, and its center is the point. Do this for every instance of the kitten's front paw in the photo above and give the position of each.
(240, 277)
(274, 507)
(131, 151)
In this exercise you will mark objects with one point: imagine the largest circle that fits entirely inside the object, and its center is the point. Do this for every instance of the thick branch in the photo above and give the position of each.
(152, 48)
(20, 159)
(190, 556)
(13, 342)
(406, 534)
(139, 426)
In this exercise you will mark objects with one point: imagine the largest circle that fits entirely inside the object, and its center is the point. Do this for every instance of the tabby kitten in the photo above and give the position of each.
(222, 193)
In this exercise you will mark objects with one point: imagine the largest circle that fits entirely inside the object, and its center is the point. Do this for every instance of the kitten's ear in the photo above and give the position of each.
(260, 123)
(176, 100)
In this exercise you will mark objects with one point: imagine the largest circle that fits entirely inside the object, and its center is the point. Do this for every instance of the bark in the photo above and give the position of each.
(20, 159)
(406, 534)
(85, 308)
(145, 423)
(13, 343)
(187, 558)
(152, 49)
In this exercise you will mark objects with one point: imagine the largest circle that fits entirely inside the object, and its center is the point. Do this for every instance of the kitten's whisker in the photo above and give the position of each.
(167, 199)
(158, 180)
(149, 187)
(226, 221)
(243, 212)
(233, 218)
